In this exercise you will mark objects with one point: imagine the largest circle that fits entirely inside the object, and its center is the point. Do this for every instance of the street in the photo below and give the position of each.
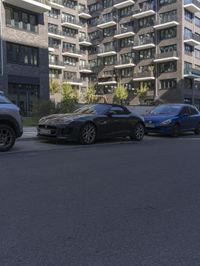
(115, 203)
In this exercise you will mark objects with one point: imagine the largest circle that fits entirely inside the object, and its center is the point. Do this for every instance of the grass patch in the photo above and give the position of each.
(30, 121)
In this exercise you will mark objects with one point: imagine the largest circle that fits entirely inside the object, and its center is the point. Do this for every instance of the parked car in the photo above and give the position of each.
(173, 119)
(10, 123)
(93, 122)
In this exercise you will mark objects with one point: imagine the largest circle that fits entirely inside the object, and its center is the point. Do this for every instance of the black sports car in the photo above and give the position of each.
(93, 122)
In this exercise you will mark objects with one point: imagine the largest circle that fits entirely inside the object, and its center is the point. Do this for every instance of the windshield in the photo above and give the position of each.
(3, 99)
(166, 110)
(97, 109)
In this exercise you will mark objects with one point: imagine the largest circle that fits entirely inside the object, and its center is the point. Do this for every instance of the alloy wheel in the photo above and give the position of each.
(88, 134)
(7, 138)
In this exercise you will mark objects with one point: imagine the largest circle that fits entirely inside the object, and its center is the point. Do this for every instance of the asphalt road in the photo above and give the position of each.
(110, 204)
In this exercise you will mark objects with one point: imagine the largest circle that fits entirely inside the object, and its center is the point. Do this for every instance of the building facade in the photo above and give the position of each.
(151, 46)
(24, 52)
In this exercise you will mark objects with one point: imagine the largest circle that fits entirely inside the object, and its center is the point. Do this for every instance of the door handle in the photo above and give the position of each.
(102, 122)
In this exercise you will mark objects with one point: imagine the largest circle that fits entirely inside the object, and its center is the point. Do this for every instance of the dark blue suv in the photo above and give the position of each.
(173, 119)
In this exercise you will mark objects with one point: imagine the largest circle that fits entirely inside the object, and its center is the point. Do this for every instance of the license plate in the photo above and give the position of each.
(45, 131)
(150, 125)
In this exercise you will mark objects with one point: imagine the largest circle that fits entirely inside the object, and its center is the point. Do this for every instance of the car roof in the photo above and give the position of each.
(178, 104)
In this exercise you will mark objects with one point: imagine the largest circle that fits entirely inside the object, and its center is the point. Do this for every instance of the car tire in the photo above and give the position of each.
(88, 134)
(197, 129)
(175, 131)
(138, 132)
(7, 138)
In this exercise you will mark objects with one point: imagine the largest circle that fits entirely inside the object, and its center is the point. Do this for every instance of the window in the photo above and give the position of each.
(197, 53)
(166, 2)
(188, 16)
(110, 60)
(109, 31)
(197, 21)
(126, 58)
(168, 16)
(187, 67)
(146, 38)
(146, 54)
(188, 49)
(193, 111)
(70, 4)
(124, 12)
(168, 48)
(54, 43)
(21, 20)
(95, 7)
(117, 110)
(126, 42)
(68, 18)
(166, 84)
(69, 32)
(21, 54)
(187, 33)
(167, 67)
(126, 72)
(107, 3)
(54, 73)
(54, 13)
(146, 22)
(167, 33)
(70, 61)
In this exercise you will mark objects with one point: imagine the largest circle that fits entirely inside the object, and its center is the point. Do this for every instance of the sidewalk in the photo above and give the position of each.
(29, 133)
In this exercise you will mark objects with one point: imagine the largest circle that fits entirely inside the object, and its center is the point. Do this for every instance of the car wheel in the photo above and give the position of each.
(138, 132)
(88, 134)
(197, 129)
(175, 131)
(7, 138)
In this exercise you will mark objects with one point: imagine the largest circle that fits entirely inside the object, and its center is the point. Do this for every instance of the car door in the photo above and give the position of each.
(194, 117)
(118, 121)
(185, 119)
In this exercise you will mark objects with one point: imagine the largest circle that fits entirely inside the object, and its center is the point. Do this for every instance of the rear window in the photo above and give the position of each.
(3, 100)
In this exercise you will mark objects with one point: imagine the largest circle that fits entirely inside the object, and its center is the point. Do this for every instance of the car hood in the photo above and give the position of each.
(158, 118)
(62, 118)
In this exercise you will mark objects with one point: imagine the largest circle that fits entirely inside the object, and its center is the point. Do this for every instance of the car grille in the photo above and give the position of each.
(47, 127)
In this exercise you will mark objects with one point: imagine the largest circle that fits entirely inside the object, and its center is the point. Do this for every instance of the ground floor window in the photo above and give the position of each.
(24, 95)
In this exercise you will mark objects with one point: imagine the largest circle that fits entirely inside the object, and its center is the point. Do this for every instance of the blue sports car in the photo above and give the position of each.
(173, 119)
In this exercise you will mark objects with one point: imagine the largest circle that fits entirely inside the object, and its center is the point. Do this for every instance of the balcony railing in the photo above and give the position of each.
(55, 31)
(70, 20)
(145, 8)
(73, 50)
(125, 61)
(167, 55)
(192, 2)
(166, 19)
(72, 79)
(141, 75)
(56, 63)
(58, 2)
(106, 49)
(192, 71)
(107, 19)
(85, 67)
(124, 30)
(84, 39)
(144, 41)
(192, 36)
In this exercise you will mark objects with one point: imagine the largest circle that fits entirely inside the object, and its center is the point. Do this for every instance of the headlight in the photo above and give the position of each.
(166, 122)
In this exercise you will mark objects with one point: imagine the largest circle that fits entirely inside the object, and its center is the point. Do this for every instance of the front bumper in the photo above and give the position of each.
(62, 132)
(165, 130)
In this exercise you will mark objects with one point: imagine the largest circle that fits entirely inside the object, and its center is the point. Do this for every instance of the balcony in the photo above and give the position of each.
(192, 39)
(123, 3)
(71, 23)
(84, 13)
(38, 6)
(145, 43)
(85, 41)
(106, 22)
(165, 57)
(107, 82)
(147, 10)
(128, 62)
(55, 33)
(192, 6)
(56, 3)
(85, 69)
(192, 73)
(102, 52)
(56, 64)
(124, 33)
(166, 22)
(148, 75)
(73, 81)
(72, 52)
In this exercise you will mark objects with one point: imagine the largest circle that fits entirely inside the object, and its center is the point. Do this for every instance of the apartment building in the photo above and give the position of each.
(68, 45)
(151, 45)
(24, 51)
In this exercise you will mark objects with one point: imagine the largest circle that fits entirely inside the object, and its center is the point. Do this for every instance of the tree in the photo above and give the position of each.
(54, 86)
(120, 93)
(142, 92)
(70, 99)
(91, 94)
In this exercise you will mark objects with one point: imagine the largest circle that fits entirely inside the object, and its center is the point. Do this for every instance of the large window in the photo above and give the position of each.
(110, 60)
(21, 54)
(146, 22)
(168, 33)
(167, 67)
(126, 72)
(70, 61)
(168, 84)
(54, 13)
(168, 48)
(166, 2)
(146, 54)
(20, 19)
(126, 42)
